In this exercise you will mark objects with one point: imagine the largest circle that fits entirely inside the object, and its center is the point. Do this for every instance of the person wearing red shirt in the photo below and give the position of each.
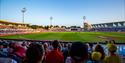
(55, 56)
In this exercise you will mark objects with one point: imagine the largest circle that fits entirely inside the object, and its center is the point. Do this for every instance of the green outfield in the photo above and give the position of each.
(72, 36)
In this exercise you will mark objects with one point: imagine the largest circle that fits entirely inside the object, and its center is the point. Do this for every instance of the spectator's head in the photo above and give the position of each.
(34, 53)
(55, 44)
(1, 45)
(14, 44)
(65, 45)
(90, 45)
(96, 56)
(69, 45)
(45, 45)
(112, 48)
(23, 44)
(79, 52)
(5, 45)
(11, 45)
(106, 41)
(112, 41)
(62, 44)
(99, 48)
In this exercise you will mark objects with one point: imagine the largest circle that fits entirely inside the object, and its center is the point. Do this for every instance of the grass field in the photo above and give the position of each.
(72, 36)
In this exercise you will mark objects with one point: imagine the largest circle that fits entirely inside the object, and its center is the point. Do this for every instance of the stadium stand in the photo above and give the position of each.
(10, 28)
(109, 27)
(34, 51)
(58, 30)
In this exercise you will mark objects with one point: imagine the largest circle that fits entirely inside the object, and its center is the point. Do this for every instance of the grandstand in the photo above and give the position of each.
(109, 27)
(10, 28)
(58, 30)
(75, 28)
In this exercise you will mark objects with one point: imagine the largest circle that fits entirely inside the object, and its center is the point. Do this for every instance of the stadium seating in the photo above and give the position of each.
(108, 29)
(10, 28)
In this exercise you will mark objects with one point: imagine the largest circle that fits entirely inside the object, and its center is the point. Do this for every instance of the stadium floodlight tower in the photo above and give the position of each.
(84, 20)
(51, 18)
(86, 25)
(23, 11)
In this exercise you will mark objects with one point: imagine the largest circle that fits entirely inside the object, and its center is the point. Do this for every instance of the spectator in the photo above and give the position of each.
(65, 51)
(50, 47)
(19, 51)
(90, 50)
(99, 48)
(90, 47)
(4, 54)
(112, 41)
(96, 57)
(55, 56)
(7, 60)
(113, 57)
(78, 53)
(34, 54)
(24, 45)
(46, 48)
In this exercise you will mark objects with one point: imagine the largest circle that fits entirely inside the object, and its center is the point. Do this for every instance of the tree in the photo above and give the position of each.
(46, 27)
(34, 26)
(63, 27)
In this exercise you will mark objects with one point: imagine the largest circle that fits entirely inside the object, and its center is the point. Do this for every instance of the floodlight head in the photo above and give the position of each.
(23, 10)
(84, 17)
(51, 18)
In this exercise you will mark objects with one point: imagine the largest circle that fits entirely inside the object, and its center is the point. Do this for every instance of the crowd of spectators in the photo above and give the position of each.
(10, 30)
(13, 27)
(14, 31)
(58, 30)
(4, 32)
(57, 52)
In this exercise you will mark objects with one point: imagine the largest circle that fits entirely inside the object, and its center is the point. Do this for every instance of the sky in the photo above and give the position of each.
(64, 12)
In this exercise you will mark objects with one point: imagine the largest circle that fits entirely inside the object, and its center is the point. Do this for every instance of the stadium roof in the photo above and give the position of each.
(8, 22)
(111, 22)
